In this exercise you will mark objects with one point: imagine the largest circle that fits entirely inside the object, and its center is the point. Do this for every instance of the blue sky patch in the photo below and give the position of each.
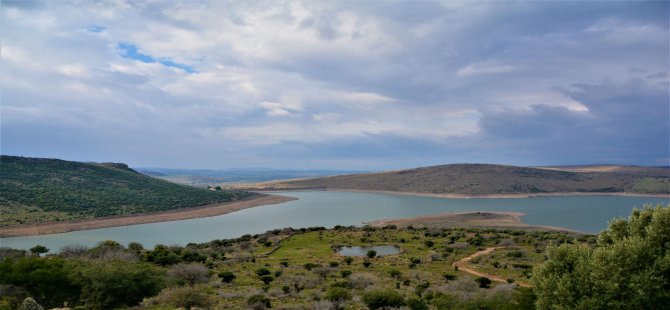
(131, 51)
(95, 28)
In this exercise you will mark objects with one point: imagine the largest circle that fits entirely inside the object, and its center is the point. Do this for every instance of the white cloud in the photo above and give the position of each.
(484, 68)
(281, 109)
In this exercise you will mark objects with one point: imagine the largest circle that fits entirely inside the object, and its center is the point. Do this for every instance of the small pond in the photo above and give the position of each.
(382, 250)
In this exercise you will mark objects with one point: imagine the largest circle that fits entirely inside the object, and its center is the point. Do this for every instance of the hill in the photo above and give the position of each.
(484, 179)
(38, 190)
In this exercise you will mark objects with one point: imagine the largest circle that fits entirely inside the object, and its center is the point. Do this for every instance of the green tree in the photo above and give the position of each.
(113, 284)
(262, 272)
(48, 280)
(371, 253)
(227, 276)
(39, 249)
(484, 282)
(628, 269)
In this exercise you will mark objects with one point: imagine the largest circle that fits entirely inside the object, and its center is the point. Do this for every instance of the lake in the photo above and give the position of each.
(330, 208)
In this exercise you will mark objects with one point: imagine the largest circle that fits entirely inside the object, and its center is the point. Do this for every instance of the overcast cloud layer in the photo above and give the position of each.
(344, 85)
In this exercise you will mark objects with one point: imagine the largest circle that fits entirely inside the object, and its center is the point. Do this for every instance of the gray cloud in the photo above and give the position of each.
(336, 84)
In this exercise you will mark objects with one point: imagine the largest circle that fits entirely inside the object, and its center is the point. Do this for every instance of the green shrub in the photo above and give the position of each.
(227, 276)
(383, 298)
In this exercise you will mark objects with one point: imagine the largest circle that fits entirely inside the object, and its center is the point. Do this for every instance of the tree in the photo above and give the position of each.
(267, 279)
(348, 260)
(371, 253)
(262, 272)
(39, 249)
(49, 281)
(115, 284)
(628, 269)
(484, 282)
(227, 276)
(383, 298)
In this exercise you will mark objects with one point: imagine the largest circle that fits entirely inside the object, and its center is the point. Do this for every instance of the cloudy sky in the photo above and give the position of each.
(341, 85)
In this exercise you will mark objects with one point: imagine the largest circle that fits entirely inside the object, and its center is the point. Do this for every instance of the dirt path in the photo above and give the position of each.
(462, 265)
(174, 215)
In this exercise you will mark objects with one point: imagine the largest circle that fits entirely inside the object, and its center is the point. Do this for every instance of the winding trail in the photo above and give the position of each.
(462, 265)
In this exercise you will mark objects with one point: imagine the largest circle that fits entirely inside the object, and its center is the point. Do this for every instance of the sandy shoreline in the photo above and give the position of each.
(480, 219)
(174, 215)
(463, 196)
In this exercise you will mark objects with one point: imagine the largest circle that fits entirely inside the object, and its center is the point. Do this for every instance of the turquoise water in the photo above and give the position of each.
(327, 208)
(382, 250)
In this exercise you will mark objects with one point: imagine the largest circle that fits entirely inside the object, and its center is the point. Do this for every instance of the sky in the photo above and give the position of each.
(366, 85)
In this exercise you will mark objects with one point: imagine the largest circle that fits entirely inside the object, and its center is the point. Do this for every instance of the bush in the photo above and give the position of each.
(116, 284)
(310, 266)
(484, 282)
(185, 297)
(49, 281)
(227, 276)
(371, 253)
(189, 274)
(262, 272)
(338, 295)
(267, 279)
(348, 260)
(417, 304)
(383, 298)
(258, 301)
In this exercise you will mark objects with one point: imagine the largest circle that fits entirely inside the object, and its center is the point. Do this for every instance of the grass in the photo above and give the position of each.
(319, 248)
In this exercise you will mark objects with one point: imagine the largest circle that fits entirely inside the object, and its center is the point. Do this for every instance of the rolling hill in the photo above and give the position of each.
(38, 190)
(484, 179)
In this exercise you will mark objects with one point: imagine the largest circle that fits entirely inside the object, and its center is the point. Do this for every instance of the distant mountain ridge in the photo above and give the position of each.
(205, 177)
(487, 179)
(37, 190)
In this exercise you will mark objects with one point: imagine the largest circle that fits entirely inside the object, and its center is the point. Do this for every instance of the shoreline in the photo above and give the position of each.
(127, 220)
(468, 219)
(465, 196)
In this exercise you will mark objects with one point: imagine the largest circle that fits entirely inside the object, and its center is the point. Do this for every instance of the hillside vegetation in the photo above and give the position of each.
(482, 179)
(42, 190)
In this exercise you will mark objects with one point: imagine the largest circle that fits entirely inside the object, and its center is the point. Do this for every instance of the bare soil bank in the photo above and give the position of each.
(173, 215)
(463, 196)
(490, 219)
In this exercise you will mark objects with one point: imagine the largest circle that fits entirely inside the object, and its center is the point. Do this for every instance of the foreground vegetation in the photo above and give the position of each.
(624, 267)
(45, 190)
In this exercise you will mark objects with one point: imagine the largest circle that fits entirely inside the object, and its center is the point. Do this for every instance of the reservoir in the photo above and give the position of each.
(329, 208)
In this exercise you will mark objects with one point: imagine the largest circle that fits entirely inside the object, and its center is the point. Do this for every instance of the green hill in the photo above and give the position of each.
(482, 179)
(37, 190)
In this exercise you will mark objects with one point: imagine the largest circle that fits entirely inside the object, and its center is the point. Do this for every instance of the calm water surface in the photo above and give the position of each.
(382, 250)
(326, 208)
